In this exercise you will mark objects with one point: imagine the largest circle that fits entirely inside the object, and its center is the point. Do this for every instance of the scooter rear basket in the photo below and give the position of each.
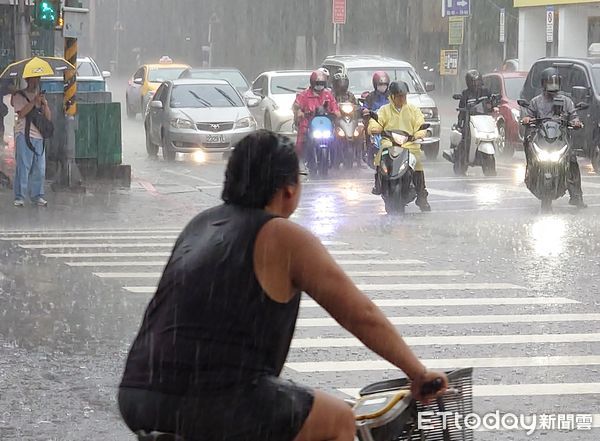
(405, 427)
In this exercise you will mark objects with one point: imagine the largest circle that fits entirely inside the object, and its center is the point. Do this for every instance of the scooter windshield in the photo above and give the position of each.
(550, 136)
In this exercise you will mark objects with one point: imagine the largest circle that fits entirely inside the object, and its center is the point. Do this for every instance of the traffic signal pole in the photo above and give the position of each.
(68, 174)
(22, 37)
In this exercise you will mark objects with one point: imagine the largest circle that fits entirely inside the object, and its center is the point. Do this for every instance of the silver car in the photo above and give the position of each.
(189, 116)
(277, 91)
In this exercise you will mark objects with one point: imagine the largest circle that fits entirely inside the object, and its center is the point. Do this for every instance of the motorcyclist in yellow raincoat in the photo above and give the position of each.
(400, 115)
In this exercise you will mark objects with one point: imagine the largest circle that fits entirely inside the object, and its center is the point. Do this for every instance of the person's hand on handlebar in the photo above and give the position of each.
(526, 120)
(366, 112)
(420, 386)
(577, 124)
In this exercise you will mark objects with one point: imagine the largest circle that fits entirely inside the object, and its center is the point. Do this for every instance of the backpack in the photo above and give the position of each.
(39, 120)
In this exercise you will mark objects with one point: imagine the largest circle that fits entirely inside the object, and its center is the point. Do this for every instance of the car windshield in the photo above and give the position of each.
(204, 95)
(87, 69)
(513, 87)
(287, 84)
(158, 75)
(361, 80)
(234, 77)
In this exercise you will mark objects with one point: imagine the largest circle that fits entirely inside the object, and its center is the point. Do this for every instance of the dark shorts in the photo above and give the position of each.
(269, 408)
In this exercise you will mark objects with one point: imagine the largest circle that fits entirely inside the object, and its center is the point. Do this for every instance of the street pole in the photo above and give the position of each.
(22, 32)
(72, 179)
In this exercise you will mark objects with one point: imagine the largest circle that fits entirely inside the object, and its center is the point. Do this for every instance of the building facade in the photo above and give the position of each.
(576, 26)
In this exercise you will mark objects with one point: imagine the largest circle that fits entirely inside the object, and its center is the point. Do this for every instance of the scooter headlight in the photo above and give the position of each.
(341, 133)
(321, 134)
(347, 109)
(545, 156)
(356, 132)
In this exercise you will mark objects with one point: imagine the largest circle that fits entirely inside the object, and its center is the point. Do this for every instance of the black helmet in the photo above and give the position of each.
(551, 80)
(398, 88)
(340, 83)
(473, 79)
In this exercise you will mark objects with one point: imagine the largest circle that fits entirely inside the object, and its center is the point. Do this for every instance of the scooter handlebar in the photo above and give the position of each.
(432, 387)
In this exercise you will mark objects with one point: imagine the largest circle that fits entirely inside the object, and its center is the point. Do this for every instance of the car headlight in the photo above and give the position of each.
(182, 123)
(429, 112)
(245, 123)
(516, 113)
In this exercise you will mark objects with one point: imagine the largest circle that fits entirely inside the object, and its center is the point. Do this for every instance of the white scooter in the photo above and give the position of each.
(481, 137)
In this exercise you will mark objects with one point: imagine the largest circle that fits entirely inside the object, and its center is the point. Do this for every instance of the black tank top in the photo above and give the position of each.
(210, 324)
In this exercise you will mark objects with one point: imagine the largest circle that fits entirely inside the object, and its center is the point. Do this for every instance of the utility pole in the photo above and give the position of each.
(22, 32)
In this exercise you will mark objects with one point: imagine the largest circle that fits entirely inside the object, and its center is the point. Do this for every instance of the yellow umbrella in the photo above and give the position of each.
(36, 67)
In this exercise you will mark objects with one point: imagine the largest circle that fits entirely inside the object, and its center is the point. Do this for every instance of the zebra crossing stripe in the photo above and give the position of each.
(446, 363)
(461, 319)
(149, 263)
(451, 340)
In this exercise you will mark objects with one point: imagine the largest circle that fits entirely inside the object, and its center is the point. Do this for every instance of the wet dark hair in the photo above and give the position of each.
(259, 166)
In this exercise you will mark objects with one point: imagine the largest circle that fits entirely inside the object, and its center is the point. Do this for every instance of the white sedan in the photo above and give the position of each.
(277, 91)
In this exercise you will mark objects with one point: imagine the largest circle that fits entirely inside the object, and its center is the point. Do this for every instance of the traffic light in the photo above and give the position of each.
(46, 13)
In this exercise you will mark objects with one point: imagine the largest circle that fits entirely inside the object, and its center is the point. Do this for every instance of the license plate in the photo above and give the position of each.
(215, 139)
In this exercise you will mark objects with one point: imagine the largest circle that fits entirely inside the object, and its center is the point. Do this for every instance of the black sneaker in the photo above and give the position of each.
(577, 202)
(376, 191)
(423, 205)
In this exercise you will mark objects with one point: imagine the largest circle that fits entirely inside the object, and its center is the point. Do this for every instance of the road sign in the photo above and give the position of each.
(502, 25)
(449, 62)
(453, 8)
(339, 12)
(456, 31)
(549, 24)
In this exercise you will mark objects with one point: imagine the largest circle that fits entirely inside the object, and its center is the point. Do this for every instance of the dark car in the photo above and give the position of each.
(579, 75)
(232, 76)
(509, 86)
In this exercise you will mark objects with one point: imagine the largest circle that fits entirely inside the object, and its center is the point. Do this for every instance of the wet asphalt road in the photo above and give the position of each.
(484, 280)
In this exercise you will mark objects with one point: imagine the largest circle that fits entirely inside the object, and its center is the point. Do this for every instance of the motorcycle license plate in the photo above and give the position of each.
(215, 139)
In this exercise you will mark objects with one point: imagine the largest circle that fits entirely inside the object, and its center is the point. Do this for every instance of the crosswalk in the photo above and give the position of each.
(523, 345)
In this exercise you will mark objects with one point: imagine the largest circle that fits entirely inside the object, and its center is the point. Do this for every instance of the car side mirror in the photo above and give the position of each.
(258, 92)
(523, 103)
(429, 86)
(138, 81)
(579, 94)
(156, 105)
(457, 96)
(582, 106)
(105, 74)
(252, 101)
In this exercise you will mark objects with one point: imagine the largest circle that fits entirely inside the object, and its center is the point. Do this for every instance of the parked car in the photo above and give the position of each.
(89, 78)
(360, 70)
(576, 73)
(144, 83)
(509, 86)
(187, 116)
(233, 76)
(277, 92)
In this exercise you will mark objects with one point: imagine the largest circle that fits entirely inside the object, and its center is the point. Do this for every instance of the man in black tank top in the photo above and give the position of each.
(207, 359)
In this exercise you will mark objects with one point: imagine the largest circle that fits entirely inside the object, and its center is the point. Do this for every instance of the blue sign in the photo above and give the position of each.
(455, 8)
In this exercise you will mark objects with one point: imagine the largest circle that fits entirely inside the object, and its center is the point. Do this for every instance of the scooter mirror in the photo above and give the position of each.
(523, 103)
(424, 126)
(457, 96)
(374, 116)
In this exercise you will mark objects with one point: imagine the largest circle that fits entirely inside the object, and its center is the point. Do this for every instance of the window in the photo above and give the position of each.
(234, 77)
(87, 69)
(513, 87)
(196, 96)
(493, 83)
(361, 80)
(288, 84)
(164, 74)
(260, 85)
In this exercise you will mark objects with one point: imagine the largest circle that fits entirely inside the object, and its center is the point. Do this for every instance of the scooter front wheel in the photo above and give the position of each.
(393, 199)
(488, 164)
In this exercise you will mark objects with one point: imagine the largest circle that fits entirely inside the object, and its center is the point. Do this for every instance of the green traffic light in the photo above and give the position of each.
(47, 13)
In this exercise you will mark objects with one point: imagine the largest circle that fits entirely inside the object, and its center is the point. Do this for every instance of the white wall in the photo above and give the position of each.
(532, 35)
(573, 29)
